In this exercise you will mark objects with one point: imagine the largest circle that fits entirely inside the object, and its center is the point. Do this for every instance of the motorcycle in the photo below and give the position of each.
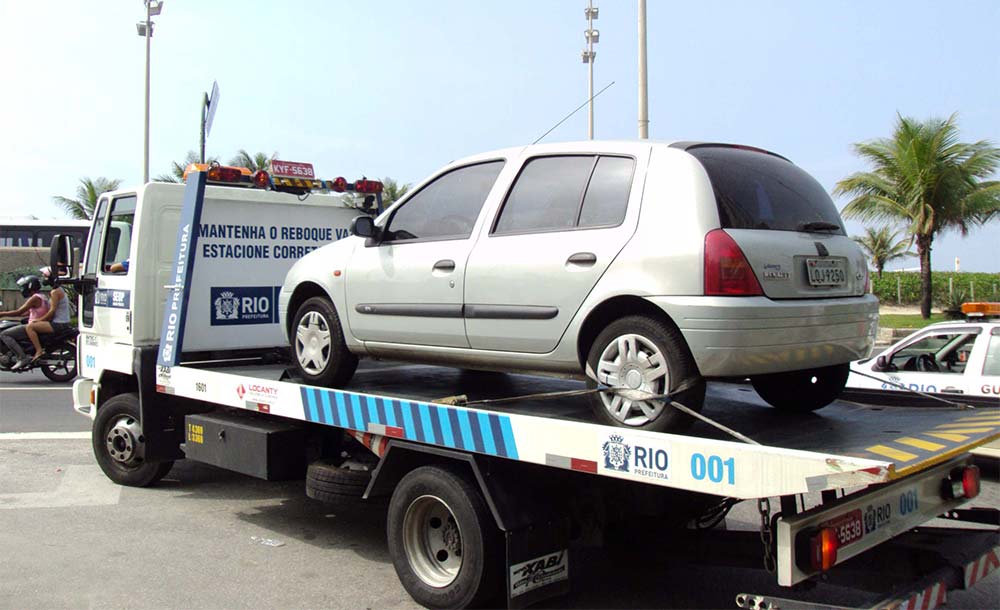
(59, 361)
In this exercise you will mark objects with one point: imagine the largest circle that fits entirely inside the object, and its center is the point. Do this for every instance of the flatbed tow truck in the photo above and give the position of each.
(493, 481)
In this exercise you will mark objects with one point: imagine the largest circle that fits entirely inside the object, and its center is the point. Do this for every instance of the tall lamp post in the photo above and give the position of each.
(593, 36)
(643, 89)
(145, 29)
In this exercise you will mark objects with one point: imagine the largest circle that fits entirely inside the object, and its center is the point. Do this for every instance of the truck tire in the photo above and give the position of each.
(643, 353)
(318, 350)
(334, 485)
(119, 444)
(444, 543)
(802, 391)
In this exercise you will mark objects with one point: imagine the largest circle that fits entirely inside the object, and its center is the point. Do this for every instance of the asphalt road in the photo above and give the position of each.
(205, 538)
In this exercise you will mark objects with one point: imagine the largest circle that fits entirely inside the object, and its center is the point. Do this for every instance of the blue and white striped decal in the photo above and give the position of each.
(478, 431)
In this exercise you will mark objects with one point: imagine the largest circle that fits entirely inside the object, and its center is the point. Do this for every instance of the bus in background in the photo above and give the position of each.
(25, 233)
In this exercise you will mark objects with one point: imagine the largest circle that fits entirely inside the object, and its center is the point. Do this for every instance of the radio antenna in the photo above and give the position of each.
(572, 113)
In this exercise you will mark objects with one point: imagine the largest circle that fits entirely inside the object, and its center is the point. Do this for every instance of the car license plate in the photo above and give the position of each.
(827, 271)
(849, 527)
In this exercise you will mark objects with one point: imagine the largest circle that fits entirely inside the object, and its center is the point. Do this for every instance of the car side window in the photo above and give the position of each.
(992, 364)
(945, 352)
(446, 208)
(567, 192)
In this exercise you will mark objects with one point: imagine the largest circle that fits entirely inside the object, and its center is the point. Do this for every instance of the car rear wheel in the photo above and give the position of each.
(802, 391)
(649, 356)
(320, 353)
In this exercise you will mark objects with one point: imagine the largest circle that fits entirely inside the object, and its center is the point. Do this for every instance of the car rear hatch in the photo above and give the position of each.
(784, 222)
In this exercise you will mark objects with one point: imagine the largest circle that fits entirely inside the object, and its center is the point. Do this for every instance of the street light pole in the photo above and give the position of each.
(145, 139)
(592, 36)
(643, 90)
(145, 29)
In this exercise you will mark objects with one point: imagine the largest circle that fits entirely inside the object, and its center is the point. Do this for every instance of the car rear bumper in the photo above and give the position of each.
(742, 336)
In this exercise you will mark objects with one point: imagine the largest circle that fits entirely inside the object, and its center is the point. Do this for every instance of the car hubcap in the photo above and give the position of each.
(432, 541)
(633, 362)
(123, 440)
(312, 343)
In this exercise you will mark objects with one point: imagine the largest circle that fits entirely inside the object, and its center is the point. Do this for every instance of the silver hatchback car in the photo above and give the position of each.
(640, 265)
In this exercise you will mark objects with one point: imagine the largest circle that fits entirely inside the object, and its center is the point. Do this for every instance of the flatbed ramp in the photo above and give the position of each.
(843, 445)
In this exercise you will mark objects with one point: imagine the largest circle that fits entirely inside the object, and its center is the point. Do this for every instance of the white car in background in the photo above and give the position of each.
(957, 361)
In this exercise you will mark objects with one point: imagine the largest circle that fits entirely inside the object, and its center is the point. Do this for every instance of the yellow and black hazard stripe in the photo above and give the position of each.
(943, 442)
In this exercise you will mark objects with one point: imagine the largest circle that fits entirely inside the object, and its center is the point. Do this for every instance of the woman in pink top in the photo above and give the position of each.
(36, 307)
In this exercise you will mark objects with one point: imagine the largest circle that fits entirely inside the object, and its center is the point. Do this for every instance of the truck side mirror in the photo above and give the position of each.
(61, 257)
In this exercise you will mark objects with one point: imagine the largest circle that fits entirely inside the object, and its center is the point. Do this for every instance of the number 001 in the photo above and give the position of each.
(714, 467)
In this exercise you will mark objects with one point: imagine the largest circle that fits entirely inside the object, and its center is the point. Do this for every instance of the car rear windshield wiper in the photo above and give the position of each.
(819, 226)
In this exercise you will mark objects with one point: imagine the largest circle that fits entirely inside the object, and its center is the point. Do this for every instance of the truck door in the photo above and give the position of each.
(105, 310)
(562, 224)
(408, 288)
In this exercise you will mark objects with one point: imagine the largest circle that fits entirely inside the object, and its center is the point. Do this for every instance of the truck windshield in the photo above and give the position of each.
(756, 190)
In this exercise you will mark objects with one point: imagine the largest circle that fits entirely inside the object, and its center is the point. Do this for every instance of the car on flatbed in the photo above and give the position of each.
(637, 265)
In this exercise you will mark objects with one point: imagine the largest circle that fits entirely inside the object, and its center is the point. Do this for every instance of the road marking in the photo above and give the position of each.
(30, 388)
(42, 436)
(964, 429)
(920, 444)
(895, 454)
(80, 486)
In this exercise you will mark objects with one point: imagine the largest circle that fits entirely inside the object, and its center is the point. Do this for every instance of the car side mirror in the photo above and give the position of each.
(881, 363)
(61, 257)
(364, 226)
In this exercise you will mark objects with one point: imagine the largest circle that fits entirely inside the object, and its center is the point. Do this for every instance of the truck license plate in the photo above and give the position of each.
(826, 271)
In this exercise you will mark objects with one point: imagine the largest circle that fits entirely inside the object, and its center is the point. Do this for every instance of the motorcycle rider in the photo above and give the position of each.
(36, 306)
(55, 320)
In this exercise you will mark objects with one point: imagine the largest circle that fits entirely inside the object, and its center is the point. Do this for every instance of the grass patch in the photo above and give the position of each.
(905, 320)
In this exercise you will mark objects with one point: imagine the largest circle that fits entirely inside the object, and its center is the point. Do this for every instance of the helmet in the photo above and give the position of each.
(29, 284)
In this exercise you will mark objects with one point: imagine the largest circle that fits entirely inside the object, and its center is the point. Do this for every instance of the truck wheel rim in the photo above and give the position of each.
(633, 362)
(312, 343)
(433, 541)
(124, 441)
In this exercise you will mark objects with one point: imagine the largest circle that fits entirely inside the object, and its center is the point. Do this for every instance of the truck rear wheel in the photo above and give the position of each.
(320, 354)
(802, 391)
(444, 544)
(119, 444)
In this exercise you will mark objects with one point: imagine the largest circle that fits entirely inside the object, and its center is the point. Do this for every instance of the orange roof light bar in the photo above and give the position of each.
(981, 309)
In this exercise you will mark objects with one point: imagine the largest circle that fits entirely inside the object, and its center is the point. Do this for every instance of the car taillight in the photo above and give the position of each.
(727, 272)
(961, 483)
(816, 549)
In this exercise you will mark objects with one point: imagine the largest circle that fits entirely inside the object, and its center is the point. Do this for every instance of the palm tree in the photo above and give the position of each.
(392, 191)
(252, 162)
(928, 180)
(87, 195)
(883, 246)
(177, 168)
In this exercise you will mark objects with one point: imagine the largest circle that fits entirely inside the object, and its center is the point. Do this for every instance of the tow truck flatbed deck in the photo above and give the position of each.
(842, 445)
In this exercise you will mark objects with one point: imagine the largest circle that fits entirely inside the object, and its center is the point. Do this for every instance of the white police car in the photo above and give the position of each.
(957, 361)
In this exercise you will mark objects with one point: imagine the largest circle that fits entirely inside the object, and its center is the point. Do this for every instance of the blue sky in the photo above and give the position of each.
(395, 88)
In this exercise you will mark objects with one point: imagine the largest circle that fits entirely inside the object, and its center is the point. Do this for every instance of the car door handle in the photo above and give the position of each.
(444, 265)
(582, 258)
(952, 391)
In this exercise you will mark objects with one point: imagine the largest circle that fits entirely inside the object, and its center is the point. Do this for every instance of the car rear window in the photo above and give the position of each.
(756, 190)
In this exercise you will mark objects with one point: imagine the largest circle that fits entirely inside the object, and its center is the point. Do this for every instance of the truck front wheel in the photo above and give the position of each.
(444, 544)
(120, 446)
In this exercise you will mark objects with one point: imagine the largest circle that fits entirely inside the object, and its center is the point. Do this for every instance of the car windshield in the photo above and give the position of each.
(758, 190)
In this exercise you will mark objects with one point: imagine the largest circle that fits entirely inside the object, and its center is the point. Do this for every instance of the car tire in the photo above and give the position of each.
(319, 352)
(119, 444)
(443, 540)
(650, 340)
(802, 391)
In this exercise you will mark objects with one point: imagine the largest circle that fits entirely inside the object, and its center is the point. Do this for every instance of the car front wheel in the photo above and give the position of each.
(649, 357)
(320, 354)
(802, 391)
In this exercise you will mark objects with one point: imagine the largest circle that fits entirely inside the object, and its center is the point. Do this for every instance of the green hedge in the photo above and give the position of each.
(903, 287)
